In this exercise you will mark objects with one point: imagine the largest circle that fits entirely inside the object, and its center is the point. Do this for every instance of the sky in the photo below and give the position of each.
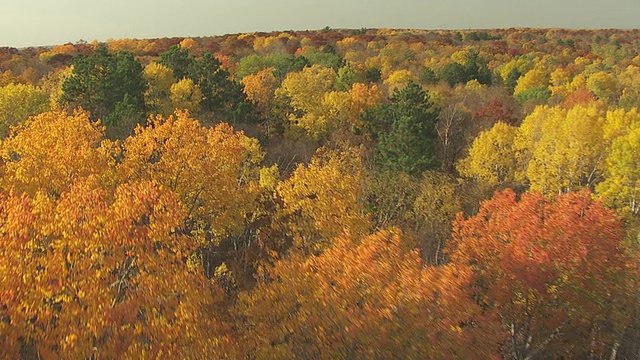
(49, 22)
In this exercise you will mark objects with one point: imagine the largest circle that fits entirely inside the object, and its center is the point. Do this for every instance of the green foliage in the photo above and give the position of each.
(538, 94)
(283, 64)
(453, 74)
(179, 61)
(405, 131)
(346, 77)
(479, 35)
(18, 102)
(428, 76)
(512, 80)
(326, 59)
(476, 68)
(373, 74)
(105, 84)
(221, 97)
(473, 68)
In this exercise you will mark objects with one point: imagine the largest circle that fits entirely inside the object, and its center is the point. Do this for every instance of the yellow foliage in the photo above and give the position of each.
(621, 187)
(52, 150)
(603, 84)
(269, 177)
(399, 79)
(188, 44)
(160, 80)
(560, 79)
(460, 56)
(52, 84)
(492, 159)
(101, 273)
(305, 90)
(620, 122)
(213, 171)
(323, 199)
(260, 88)
(521, 64)
(346, 108)
(474, 85)
(18, 102)
(535, 77)
(349, 302)
(562, 150)
(186, 95)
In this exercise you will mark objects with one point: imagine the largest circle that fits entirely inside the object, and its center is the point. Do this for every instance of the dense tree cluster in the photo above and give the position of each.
(333, 194)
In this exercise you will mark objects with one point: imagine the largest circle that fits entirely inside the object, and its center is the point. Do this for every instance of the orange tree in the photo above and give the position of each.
(93, 267)
(362, 299)
(550, 270)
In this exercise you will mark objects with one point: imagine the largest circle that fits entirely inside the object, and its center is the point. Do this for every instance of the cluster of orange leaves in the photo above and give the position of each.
(95, 235)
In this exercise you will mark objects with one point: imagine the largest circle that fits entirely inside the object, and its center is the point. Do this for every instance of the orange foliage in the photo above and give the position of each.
(550, 269)
(101, 274)
(362, 299)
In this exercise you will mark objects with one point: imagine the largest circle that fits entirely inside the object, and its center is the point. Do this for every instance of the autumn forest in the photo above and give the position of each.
(330, 194)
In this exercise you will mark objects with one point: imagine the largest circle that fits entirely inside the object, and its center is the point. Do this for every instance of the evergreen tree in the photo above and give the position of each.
(405, 130)
(110, 86)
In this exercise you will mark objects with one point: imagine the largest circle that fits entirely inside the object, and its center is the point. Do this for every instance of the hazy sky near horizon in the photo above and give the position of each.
(49, 22)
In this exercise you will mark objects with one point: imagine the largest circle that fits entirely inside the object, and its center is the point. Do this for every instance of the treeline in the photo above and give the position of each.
(327, 194)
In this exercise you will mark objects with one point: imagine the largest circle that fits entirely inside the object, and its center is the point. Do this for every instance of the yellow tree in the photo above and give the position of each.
(52, 150)
(435, 208)
(399, 79)
(492, 159)
(604, 85)
(323, 199)
(18, 102)
(619, 122)
(534, 78)
(260, 88)
(305, 91)
(160, 80)
(621, 187)
(102, 274)
(629, 83)
(185, 95)
(213, 171)
(562, 150)
(345, 108)
(560, 79)
(52, 85)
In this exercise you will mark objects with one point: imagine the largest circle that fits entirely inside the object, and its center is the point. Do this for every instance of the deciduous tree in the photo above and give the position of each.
(18, 102)
(364, 298)
(323, 199)
(551, 270)
(101, 274)
(492, 158)
(49, 152)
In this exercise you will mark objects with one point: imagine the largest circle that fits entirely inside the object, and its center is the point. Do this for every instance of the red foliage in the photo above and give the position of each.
(545, 264)
(579, 97)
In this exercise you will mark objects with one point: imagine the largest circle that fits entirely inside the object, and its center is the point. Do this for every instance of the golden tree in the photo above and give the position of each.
(362, 299)
(101, 274)
(52, 150)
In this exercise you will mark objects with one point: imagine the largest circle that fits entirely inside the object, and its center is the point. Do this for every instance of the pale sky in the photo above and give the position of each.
(50, 22)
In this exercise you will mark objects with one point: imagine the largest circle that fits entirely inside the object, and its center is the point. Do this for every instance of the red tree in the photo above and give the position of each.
(550, 270)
